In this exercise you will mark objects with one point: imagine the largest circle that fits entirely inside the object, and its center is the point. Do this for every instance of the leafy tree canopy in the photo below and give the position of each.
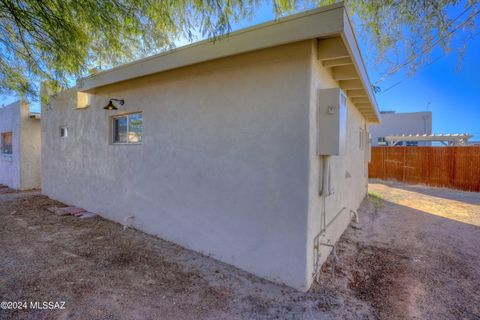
(58, 40)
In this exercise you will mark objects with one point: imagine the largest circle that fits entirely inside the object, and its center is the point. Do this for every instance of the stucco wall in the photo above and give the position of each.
(21, 169)
(228, 163)
(348, 172)
(30, 149)
(10, 164)
(223, 167)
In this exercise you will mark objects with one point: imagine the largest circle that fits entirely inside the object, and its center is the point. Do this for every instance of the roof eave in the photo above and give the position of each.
(321, 22)
(352, 46)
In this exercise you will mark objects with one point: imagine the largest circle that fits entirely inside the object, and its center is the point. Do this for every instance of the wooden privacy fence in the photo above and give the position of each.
(449, 167)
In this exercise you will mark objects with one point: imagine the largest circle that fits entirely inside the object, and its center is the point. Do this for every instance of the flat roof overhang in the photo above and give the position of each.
(329, 24)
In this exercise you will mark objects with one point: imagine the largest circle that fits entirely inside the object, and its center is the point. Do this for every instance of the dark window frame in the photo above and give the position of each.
(7, 149)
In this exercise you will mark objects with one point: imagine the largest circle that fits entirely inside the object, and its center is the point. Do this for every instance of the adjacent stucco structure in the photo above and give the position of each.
(20, 167)
(228, 162)
(407, 123)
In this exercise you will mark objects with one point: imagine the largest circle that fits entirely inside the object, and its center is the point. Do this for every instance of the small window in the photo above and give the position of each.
(127, 128)
(381, 141)
(63, 132)
(7, 143)
(361, 139)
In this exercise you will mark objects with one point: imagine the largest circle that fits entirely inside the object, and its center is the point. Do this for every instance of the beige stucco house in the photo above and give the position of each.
(231, 147)
(20, 146)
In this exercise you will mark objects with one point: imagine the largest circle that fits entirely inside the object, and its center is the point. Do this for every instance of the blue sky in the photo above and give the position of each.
(448, 88)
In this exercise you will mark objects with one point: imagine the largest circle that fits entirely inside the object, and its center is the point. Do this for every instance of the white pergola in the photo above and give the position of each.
(459, 139)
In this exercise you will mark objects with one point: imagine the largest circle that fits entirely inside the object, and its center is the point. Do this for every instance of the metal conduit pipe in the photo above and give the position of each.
(317, 242)
(335, 218)
(334, 254)
(325, 182)
(355, 215)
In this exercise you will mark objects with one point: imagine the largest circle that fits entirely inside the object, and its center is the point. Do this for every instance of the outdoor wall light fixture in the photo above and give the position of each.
(111, 106)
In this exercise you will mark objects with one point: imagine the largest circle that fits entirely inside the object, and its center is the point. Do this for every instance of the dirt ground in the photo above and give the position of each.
(414, 254)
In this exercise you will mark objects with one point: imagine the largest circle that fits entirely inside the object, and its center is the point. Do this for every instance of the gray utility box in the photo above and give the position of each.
(331, 121)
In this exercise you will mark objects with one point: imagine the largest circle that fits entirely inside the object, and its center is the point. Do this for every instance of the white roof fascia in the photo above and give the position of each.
(322, 22)
(352, 46)
(312, 24)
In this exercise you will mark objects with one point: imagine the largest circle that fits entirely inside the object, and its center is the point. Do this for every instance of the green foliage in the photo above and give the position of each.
(376, 199)
(60, 40)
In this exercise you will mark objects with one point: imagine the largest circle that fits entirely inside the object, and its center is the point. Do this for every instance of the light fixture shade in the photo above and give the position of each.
(110, 106)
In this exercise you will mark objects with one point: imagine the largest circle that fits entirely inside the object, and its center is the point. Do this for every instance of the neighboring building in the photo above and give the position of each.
(408, 123)
(20, 147)
(474, 143)
(226, 147)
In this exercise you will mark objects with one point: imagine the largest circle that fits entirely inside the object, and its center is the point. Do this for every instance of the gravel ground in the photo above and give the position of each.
(415, 254)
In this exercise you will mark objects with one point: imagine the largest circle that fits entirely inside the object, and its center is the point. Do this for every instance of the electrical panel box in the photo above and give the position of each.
(331, 121)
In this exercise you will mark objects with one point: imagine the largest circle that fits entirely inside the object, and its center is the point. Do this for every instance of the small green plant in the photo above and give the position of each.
(376, 199)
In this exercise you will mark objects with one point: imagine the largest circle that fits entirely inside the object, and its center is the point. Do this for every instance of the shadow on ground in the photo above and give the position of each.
(417, 254)
(399, 262)
(407, 263)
